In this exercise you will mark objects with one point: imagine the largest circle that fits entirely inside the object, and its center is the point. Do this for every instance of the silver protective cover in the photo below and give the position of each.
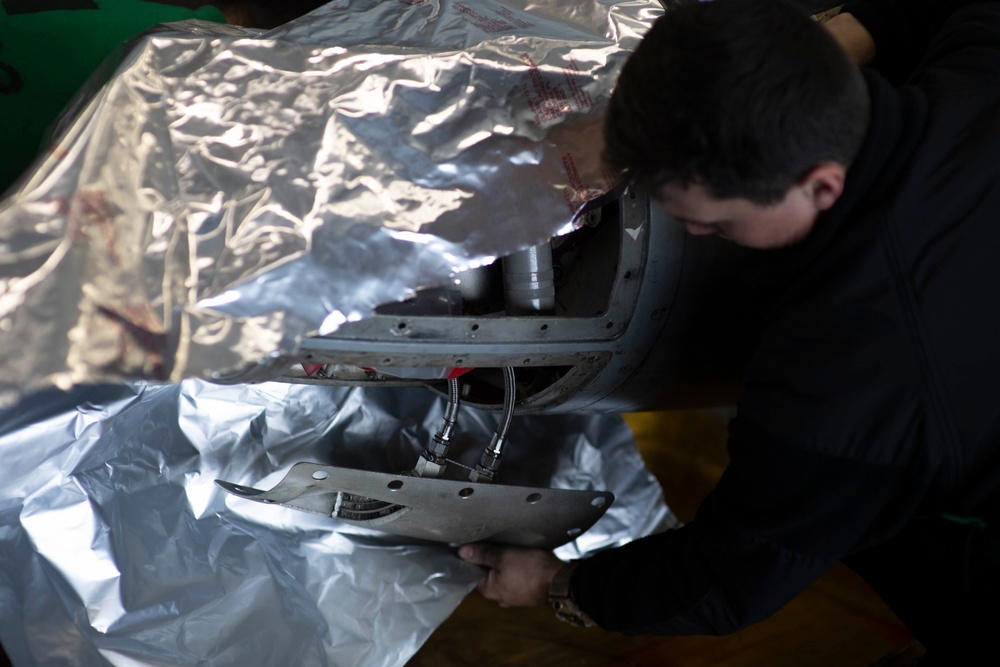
(117, 547)
(227, 193)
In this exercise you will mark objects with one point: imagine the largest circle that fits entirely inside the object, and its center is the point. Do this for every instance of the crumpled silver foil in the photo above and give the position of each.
(117, 548)
(227, 193)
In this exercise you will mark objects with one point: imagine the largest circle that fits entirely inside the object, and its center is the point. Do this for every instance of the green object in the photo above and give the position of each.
(48, 49)
(965, 520)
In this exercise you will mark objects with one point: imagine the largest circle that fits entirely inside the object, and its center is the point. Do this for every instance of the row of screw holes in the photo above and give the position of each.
(396, 485)
(475, 327)
(544, 327)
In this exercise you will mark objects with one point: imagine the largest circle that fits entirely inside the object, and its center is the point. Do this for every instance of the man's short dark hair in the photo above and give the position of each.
(742, 96)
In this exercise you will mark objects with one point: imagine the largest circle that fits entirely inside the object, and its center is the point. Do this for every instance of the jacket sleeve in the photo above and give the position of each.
(778, 519)
(903, 30)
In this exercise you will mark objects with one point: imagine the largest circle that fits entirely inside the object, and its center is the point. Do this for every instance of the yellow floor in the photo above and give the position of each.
(837, 622)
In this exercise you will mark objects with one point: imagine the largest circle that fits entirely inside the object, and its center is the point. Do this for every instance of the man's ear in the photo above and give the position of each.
(824, 184)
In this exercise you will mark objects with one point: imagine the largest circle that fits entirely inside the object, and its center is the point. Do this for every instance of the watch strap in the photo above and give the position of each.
(561, 599)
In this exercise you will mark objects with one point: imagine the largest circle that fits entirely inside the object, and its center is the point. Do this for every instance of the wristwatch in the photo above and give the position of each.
(562, 600)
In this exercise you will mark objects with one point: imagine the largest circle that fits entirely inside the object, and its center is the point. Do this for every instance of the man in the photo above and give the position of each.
(48, 49)
(869, 425)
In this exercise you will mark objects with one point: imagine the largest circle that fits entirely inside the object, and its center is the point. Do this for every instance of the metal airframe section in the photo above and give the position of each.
(603, 351)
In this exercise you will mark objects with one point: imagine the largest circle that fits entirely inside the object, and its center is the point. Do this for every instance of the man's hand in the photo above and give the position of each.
(517, 577)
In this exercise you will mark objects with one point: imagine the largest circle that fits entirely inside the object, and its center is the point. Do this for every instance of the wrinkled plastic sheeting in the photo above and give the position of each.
(117, 548)
(226, 194)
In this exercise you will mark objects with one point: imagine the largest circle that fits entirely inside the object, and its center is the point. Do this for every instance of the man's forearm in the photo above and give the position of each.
(853, 37)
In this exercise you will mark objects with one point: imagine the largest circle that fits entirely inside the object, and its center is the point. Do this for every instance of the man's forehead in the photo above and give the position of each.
(692, 194)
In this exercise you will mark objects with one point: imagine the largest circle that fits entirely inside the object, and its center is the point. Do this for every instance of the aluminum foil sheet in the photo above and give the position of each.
(227, 193)
(117, 548)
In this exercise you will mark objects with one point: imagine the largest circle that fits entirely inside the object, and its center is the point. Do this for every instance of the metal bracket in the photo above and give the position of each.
(440, 510)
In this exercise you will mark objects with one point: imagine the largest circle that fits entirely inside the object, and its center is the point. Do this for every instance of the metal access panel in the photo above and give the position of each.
(441, 510)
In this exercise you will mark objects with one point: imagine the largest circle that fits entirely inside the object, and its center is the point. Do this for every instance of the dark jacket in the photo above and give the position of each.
(873, 398)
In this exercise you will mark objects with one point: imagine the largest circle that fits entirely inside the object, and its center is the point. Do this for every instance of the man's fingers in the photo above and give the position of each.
(486, 555)
(487, 587)
(515, 577)
(492, 589)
